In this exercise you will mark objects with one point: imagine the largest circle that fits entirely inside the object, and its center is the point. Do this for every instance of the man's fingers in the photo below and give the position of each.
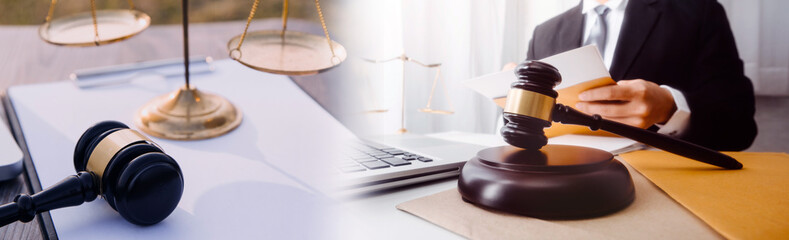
(632, 102)
(607, 93)
(610, 109)
(628, 82)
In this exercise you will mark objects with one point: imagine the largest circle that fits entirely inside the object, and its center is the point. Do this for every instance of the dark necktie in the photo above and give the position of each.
(598, 33)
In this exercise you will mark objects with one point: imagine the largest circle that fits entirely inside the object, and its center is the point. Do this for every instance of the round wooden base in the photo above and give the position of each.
(555, 182)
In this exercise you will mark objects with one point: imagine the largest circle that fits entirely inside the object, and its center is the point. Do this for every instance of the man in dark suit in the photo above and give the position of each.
(675, 61)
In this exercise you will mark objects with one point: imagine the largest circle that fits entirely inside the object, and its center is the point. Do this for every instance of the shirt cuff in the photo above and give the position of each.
(679, 121)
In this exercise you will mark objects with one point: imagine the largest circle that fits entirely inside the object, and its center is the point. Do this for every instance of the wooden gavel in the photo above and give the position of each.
(531, 106)
(126, 168)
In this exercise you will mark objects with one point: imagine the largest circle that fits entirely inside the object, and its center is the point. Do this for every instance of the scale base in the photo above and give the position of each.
(434, 111)
(188, 114)
(555, 182)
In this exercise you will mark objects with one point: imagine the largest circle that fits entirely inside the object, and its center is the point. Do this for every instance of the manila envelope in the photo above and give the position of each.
(751, 203)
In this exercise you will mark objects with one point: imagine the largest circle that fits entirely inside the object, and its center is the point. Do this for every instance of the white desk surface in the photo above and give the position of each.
(243, 185)
(376, 215)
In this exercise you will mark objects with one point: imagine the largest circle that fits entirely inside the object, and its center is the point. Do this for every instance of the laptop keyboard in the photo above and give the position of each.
(370, 156)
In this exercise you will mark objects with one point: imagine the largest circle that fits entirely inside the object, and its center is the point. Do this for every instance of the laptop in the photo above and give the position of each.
(362, 163)
(382, 162)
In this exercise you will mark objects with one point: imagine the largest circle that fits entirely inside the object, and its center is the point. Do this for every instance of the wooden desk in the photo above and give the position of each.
(26, 59)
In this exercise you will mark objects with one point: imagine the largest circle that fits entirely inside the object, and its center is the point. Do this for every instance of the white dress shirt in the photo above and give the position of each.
(681, 118)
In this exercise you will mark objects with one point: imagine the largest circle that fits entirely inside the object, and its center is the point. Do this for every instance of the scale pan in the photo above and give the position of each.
(77, 30)
(377, 111)
(296, 54)
(428, 110)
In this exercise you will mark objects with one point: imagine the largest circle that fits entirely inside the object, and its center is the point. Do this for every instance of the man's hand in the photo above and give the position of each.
(636, 102)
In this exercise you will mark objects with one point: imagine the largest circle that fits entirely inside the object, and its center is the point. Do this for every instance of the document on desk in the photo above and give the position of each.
(581, 69)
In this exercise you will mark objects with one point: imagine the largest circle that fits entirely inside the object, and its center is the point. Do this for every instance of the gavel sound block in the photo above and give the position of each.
(558, 181)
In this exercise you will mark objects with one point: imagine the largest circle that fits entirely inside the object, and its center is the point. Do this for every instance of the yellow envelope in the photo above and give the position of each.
(752, 203)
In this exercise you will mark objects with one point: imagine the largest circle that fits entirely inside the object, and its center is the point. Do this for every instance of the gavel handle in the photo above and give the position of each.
(71, 191)
(567, 115)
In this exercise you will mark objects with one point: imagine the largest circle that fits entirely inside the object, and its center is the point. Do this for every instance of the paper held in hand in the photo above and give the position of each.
(581, 69)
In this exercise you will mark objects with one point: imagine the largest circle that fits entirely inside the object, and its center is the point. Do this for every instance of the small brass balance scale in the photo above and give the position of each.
(188, 113)
(428, 108)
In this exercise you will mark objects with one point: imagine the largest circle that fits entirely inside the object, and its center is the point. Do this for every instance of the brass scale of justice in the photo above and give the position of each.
(428, 108)
(188, 113)
(191, 114)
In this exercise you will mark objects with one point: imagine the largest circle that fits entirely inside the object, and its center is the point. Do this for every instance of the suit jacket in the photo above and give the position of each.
(685, 44)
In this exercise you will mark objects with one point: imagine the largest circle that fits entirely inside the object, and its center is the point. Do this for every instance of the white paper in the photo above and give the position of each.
(615, 145)
(576, 66)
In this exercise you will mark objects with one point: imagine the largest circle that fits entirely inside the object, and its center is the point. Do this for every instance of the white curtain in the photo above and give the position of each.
(760, 30)
(472, 38)
(469, 38)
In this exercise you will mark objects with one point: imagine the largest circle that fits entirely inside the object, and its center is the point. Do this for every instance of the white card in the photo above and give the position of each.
(576, 66)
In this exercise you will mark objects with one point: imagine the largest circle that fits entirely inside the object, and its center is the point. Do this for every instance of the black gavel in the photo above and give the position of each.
(129, 170)
(531, 106)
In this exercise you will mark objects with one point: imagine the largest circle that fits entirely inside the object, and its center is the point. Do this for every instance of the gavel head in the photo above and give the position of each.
(530, 102)
(134, 175)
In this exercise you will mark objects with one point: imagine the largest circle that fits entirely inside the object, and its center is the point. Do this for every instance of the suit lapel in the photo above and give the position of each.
(640, 18)
(570, 33)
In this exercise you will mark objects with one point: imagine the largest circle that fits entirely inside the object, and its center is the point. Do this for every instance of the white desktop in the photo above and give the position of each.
(248, 184)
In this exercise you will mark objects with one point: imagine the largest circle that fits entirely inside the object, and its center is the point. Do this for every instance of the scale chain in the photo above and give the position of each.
(284, 27)
(51, 11)
(95, 24)
(284, 19)
(325, 31)
(244, 34)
